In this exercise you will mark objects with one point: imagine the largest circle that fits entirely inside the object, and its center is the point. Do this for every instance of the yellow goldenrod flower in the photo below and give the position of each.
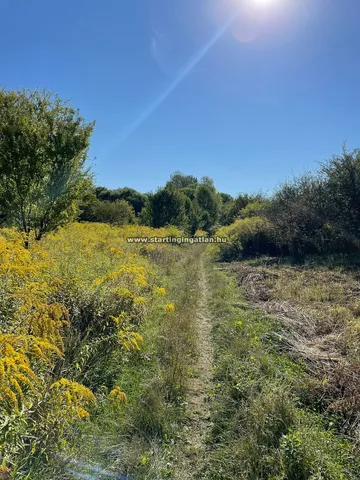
(117, 396)
(170, 307)
(159, 291)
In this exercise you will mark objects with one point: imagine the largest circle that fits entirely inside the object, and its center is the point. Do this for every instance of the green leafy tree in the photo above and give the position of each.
(136, 199)
(225, 198)
(209, 182)
(43, 148)
(119, 212)
(207, 206)
(88, 206)
(189, 191)
(165, 207)
(179, 180)
(231, 210)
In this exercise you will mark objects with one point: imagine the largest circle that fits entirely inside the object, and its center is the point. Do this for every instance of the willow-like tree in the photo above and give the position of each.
(43, 149)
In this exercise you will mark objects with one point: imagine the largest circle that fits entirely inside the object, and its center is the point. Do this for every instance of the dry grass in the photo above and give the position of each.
(319, 310)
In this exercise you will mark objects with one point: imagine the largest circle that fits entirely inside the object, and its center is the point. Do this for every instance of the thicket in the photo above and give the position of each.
(315, 214)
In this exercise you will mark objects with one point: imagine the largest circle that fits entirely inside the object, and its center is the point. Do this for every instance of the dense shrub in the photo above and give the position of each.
(313, 214)
(245, 238)
(119, 212)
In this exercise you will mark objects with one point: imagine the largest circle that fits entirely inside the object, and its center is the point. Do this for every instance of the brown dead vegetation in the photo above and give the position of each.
(319, 311)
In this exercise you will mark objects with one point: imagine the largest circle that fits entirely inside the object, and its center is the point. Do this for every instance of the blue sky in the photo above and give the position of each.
(273, 94)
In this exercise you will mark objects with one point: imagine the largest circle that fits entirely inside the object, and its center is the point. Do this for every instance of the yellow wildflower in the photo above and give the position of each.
(117, 396)
(139, 300)
(170, 307)
(159, 291)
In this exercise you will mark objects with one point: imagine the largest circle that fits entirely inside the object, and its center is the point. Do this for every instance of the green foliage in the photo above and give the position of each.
(189, 191)
(136, 199)
(232, 209)
(312, 214)
(207, 204)
(165, 207)
(342, 192)
(201, 204)
(254, 209)
(43, 149)
(180, 181)
(119, 212)
(246, 237)
(316, 214)
(225, 198)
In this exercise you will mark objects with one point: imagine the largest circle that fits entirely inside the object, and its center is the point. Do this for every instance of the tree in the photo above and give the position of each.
(231, 210)
(166, 207)
(209, 182)
(225, 198)
(43, 149)
(88, 206)
(179, 180)
(342, 179)
(136, 199)
(208, 204)
(114, 213)
(189, 191)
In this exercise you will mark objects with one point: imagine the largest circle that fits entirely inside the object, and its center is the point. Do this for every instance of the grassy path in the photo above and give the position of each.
(192, 454)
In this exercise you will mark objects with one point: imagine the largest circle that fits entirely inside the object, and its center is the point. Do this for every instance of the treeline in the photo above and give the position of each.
(184, 201)
(314, 214)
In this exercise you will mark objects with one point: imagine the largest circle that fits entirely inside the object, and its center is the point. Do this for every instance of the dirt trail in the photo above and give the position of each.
(192, 454)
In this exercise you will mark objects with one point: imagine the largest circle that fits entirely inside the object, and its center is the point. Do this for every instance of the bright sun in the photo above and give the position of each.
(264, 2)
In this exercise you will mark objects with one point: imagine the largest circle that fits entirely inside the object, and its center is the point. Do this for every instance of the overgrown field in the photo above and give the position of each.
(100, 362)
(87, 327)
(281, 411)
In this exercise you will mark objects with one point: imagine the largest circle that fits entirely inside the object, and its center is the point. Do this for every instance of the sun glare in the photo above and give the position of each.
(264, 3)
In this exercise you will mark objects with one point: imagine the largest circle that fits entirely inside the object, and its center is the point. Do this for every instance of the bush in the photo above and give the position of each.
(318, 213)
(119, 212)
(247, 237)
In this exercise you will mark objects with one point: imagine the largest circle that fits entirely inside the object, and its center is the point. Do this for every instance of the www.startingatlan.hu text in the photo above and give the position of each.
(177, 240)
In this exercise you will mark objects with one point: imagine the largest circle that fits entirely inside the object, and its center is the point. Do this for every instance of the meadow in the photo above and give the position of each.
(151, 361)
